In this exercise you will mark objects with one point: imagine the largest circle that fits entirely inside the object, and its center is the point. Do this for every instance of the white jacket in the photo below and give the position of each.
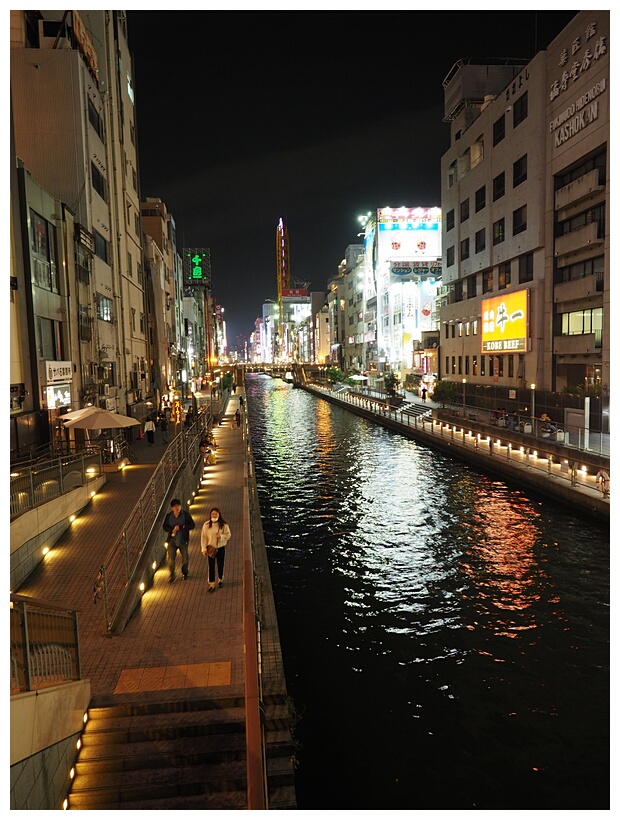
(214, 536)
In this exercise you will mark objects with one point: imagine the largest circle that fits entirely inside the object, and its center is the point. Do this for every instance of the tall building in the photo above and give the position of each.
(526, 236)
(75, 138)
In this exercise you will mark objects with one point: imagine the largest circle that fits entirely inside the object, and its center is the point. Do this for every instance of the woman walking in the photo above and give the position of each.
(214, 536)
(149, 429)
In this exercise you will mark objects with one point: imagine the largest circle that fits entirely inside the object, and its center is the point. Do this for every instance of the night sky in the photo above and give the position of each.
(244, 117)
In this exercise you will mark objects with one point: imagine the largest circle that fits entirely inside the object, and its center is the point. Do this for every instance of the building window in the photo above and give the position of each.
(101, 246)
(43, 250)
(84, 323)
(487, 281)
(465, 210)
(471, 286)
(450, 256)
(467, 365)
(581, 322)
(526, 268)
(104, 308)
(98, 181)
(452, 174)
(499, 186)
(519, 171)
(133, 320)
(519, 220)
(454, 365)
(474, 365)
(129, 265)
(482, 365)
(499, 231)
(460, 326)
(465, 249)
(95, 120)
(453, 330)
(447, 364)
(458, 295)
(49, 339)
(447, 327)
(481, 198)
(450, 220)
(481, 240)
(475, 327)
(578, 270)
(503, 280)
(500, 365)
(499, 129)
(511, 367)
(460, 365)
(519, 110)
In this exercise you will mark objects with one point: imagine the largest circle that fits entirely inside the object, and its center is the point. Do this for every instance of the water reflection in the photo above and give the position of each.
(432, 613)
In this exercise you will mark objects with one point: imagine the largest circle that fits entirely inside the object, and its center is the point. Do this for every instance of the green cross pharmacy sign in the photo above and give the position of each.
(197, 267)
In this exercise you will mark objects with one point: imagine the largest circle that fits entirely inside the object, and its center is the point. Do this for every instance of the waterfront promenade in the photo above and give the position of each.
(182, 645)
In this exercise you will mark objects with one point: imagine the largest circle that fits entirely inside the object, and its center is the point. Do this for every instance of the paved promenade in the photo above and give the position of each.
(181, 637)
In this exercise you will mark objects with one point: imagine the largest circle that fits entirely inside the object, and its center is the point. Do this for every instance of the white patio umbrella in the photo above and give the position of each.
(357, 378)
(100, 419)
(77, 414)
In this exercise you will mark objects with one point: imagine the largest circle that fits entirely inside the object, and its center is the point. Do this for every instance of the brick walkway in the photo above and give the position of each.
(179, 632)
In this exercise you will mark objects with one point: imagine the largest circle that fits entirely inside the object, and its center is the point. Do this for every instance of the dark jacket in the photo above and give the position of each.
(187, 524)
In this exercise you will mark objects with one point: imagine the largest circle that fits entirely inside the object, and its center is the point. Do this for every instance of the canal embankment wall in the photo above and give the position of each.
(554, 472)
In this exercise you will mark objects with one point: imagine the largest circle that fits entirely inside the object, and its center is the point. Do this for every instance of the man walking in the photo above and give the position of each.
(163, 424)
(178, 523)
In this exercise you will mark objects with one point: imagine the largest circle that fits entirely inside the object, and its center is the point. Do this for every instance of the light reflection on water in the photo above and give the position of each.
(433, 620)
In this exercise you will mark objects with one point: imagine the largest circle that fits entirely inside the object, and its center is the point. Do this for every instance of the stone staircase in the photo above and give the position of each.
(177, 754)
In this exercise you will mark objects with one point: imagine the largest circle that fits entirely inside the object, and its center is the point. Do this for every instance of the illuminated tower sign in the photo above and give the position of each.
(197, 267)
(283, 269)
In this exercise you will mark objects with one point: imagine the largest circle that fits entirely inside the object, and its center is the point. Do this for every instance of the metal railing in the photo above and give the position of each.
(45, 648)
(123, 557)
(37, 484)
(529, 453)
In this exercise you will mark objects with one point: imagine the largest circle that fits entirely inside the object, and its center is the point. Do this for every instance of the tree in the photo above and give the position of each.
(391, 383)
(334, 374)
(446, 392)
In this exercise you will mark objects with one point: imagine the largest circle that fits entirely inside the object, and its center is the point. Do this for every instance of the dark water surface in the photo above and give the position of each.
(445, 636)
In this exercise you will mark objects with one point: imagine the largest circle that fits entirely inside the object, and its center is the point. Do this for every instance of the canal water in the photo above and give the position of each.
(445, 635)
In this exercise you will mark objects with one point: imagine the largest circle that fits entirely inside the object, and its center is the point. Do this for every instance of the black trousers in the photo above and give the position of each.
(171, 557)
(219, 559)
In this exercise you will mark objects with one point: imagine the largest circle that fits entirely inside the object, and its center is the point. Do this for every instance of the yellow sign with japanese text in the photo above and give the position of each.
(504, 323)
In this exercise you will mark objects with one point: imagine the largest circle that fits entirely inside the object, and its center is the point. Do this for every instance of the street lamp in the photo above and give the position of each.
(464, 383)
(533, 387)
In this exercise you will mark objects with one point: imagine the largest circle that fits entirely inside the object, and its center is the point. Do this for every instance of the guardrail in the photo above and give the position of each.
(123, 557)
(574, 468)
(45, 649)
(37, 484)
(256, 742)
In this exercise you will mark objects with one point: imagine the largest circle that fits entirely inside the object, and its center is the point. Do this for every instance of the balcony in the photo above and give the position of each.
(587, 186)
(567, 293)
(590, 236)
(576, 345)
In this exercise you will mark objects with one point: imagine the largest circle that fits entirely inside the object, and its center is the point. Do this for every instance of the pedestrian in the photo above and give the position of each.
(178, 523)
(149, 429)
(602, 482)
(214, 536)
(163, 424)
(241, 401)
(238, 418)
(424, 392)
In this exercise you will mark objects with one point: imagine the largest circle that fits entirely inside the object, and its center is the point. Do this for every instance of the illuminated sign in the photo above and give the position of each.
(504, 323)
(419, 268)
(289, 293)
(58, 396)
(408, 234)
(58, 372)
(197, 267)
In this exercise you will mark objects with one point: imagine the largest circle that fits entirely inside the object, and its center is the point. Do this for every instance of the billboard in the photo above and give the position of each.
(409, 234)
(504, 323)
(197, 267)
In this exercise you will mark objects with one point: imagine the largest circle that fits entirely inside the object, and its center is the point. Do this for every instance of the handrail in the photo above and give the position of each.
(34, 485)
(121, 560)
(256, 753)
(45, 648)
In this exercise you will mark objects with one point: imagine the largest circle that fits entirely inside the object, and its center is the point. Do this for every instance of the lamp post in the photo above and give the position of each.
(464, 383)
(533, 387)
